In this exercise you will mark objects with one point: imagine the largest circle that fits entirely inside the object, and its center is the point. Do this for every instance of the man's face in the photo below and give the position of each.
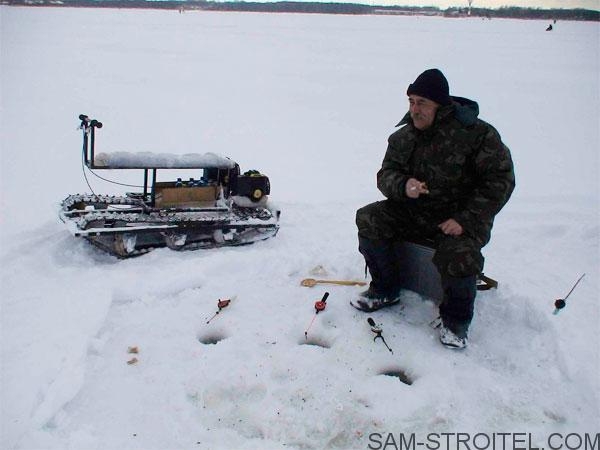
(422, 111)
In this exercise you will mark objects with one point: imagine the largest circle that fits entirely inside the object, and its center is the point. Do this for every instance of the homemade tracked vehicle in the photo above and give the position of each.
(218, 207)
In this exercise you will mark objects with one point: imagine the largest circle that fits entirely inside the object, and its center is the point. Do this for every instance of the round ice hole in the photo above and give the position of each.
(211, 338)
(400, 374)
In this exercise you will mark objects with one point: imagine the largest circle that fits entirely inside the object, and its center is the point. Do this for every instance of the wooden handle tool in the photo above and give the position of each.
(310, 282)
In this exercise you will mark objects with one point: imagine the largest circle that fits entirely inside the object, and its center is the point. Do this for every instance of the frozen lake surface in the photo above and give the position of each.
(308, 100)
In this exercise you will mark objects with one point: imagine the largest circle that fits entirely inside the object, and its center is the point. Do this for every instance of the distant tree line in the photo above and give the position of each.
(290, 7)
(514, 12)
(322, 8)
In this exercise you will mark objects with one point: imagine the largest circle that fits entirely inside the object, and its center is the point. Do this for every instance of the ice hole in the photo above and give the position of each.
(211, 338)
(400, 374)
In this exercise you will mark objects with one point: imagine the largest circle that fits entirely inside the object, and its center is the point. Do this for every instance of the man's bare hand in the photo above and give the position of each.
(414, 188)
(451, 227)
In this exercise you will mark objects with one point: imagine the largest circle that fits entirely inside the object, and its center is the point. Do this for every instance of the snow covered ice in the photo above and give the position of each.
(310, 101)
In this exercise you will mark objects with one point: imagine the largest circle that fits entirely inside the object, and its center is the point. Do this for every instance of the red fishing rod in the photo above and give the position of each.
(220, 304)
(320, 305)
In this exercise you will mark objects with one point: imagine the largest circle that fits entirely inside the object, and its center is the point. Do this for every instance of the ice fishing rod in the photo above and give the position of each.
(320, 305)
(560, 303)
(220, 304)
(378, 333)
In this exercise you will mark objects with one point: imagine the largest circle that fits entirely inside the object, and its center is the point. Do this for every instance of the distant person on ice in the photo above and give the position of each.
(445, 175)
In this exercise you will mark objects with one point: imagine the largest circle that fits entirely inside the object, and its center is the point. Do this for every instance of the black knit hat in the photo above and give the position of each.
(431, 84)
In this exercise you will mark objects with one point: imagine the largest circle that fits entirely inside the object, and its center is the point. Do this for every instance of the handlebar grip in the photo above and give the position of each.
(92, 123)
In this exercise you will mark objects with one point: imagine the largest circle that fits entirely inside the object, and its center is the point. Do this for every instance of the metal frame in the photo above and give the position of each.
(89, 141)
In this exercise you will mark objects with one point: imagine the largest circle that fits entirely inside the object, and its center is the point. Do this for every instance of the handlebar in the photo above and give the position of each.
(86, 122)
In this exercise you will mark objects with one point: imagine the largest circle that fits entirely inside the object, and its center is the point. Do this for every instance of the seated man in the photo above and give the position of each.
(445, 175)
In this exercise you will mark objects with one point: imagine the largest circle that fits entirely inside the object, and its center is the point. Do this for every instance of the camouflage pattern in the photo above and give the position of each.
(470, 177)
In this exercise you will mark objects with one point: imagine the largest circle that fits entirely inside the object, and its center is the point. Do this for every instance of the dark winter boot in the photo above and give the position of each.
(456, 310)
(381, 261)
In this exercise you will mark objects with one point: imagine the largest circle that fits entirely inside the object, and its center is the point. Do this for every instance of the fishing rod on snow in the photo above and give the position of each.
(320, 305)
(560, 303)
(378, 333)
(220, 304)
